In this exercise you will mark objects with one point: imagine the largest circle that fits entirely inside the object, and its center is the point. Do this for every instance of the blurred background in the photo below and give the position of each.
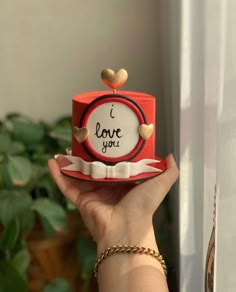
(183, 53)
(52, 50)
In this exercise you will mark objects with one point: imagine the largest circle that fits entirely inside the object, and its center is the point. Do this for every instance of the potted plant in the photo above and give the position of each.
(38, 226)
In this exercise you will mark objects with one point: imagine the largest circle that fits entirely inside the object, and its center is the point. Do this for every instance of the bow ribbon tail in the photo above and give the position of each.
(142, 166)
(77, 164)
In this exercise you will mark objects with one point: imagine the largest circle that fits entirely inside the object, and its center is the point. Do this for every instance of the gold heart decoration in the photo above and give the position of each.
(114, 79)
(145, 131)
(80, 134)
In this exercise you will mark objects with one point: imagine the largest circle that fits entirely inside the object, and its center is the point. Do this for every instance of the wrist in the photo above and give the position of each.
(128, 234)
(130, 269)
(130, 249)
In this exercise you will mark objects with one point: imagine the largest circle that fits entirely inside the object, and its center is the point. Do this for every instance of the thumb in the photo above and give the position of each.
(152, 192)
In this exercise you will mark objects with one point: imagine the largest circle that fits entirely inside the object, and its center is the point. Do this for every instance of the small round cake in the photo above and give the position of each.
(113, 136)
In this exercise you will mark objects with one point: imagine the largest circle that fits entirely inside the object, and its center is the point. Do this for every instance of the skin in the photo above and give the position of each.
(121, 214)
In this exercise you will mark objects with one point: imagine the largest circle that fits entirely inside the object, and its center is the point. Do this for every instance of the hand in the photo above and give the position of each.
(117, 213)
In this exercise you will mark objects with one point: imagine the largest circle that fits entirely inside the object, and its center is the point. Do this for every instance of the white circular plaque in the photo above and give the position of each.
(113, 125)
(113, 129)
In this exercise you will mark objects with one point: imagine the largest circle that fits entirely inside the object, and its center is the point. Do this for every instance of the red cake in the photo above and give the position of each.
(113, 134)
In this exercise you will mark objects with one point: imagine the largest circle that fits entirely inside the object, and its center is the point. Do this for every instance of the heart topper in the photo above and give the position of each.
(114, 79)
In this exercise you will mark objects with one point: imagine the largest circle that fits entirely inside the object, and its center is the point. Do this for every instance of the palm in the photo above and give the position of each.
(96, 201)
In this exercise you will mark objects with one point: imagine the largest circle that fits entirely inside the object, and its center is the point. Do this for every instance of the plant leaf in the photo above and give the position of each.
(6, 182)
(10, 279)
(47, 228)
(61, 133)
(16, 147)
(5, 142)
(26, 219)
(52, 212)
(19, 170)
(46, 182)
(10, 235)
(1, 175)
(86, 249)
(8, 146)
(13, 204)
(63, 121)
(21, 261)
(25, 130)
(58, 285)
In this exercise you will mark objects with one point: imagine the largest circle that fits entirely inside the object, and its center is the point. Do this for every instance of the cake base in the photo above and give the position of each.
(137, 178)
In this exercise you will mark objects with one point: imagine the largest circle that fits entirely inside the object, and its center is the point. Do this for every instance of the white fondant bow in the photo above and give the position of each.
(97, 169)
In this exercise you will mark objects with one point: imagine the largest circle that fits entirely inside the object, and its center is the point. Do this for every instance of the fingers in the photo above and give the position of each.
(152, 192)
(66, 186)
(160, 185)
(169, 177)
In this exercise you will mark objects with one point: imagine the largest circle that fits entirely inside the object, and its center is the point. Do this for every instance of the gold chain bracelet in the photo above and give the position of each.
(119, 249)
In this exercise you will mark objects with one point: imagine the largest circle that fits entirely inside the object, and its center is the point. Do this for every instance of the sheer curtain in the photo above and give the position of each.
(207, 141)
(225, 278)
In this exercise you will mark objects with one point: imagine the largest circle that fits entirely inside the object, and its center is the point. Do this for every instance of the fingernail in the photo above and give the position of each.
(58, 157)
(68, 151)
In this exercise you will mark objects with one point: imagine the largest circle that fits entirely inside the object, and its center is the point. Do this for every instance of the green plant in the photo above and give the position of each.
(86, 247)
(58, 285)
(27, 191)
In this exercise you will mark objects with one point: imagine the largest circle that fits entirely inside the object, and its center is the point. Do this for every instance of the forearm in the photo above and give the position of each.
(132, 272)
(128, 273)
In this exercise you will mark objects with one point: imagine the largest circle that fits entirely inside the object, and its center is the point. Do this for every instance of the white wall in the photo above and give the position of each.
(51, 50)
